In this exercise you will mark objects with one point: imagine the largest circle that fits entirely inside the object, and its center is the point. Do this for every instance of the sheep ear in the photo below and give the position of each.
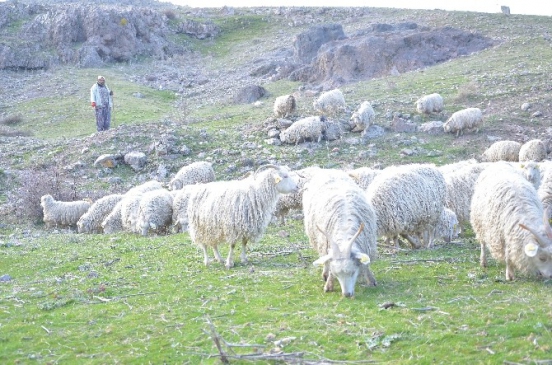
(364, 258)
(531, 249)
(277, 179)
(322, 260)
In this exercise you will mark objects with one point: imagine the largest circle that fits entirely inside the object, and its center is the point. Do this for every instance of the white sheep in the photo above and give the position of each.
(341, 226)
(362, 118)
(236, 211)
(284, 106)
(364, 176)
(502, 151)
(330, 103)
(408, 200)
(91, 221)
(448, 227)
(113, 221)
(465, 119)
(62, 213)
(508, 219)
(155, 211)
(305, 129)
(533, 150)
(180, 208)
(454, 166)
(428, 104)
(194, 173)
(129, 206)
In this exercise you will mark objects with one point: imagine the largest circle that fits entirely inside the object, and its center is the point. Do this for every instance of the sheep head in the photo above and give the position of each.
(540, 254)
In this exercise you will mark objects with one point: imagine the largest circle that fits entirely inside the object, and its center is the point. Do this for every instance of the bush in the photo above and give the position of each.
(11, 120)
(171, 15)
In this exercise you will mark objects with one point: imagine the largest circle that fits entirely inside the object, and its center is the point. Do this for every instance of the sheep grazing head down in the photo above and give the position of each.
(344, 263)
(539, 250)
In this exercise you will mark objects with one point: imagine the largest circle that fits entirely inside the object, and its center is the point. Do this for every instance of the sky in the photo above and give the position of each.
(526, 7)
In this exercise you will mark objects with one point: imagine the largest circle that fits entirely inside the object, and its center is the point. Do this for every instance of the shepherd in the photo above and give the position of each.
(101, 99)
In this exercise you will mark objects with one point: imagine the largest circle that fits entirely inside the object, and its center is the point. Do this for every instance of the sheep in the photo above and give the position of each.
(305, 129)
(196, 172)
(330, 103)
(509, 220)
(469, 118)
(341, 226)
(448, 227)
(533, 150)
(155, 211)
(362, 118)
(432, 103)
(363, 176)
(454, 166)
(91, 221)
(408, 200)
(502, 151)
(129, 207)
(530, 171)
(113, 221)
(62, 213)
(284, 106)
(545, 188)
(180, 209)
(238, 210)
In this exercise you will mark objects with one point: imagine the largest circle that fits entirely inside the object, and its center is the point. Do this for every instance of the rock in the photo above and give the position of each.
(5, 278)
(136, 160)
(249, 94)
(401, 125)
(537, 114)
(374, 131)
(433, 128)
(505, 10)
(526, 106)
(106, 160)
(307, 44)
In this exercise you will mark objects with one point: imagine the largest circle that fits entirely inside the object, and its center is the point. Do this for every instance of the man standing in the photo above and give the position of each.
(102, 102)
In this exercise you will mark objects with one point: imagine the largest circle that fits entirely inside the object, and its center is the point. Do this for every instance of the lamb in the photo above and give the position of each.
(409, 200)
(470, 118)
(341, 225)
(91, 221)
(62, 213)
(330, 103)
(432, 103)
(236, 211)
(305, 129)
(509, 220)
(284, 106)
(502, 151)
(196, 172)
(448, 227)
(363, 176)
(155, 211)
(533, 150)
(362, 117)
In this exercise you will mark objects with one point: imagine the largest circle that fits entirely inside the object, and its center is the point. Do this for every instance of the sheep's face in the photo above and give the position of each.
(285, 182)
(541, 258)
(346, 271)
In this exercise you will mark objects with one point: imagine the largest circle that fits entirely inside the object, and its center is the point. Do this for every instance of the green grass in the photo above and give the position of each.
(128, 299)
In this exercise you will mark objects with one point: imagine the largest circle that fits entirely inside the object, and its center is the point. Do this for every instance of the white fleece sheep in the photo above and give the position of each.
(285, 106)
(428, 104)
(545, 188)
(448, 227)
(408, 200)
(194, 173)
(62, 213)
(113, 221)
(155, 212)
(455, 166)
(341, 226)
(305, 129)
(330, 103)
(236, 211)
(180, 208)
(91, 221)
(533, 150)
(362, 117)
(502, 151)
(508, 219)
(364, 176)
(465, 119)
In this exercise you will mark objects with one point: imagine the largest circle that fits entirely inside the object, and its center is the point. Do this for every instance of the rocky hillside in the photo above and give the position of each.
(221, 70)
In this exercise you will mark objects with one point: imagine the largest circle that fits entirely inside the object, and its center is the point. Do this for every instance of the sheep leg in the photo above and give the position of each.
(329, 283)
(218, 257)
(483, 256)
(205, 256)
(243, 252)
(369, 277)
(413, 241)
(325, 272)
(229, 259)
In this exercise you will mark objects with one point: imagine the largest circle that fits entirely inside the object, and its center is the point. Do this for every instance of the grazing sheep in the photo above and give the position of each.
(62, 213)
(194, 173)
(432, 103)
(131, 203)
(470, 118)
(113, 221)
(155, 211)
(508, 219)
(533, 150)
(180, 208)
(306, 129)
(341, 225)
(502, 151)
(284, 106)
(448, 227)
(91, 221)
(362, 117)
(236, 211)
(408, 200)
(363, 176)
(455, 166)
(330, 103)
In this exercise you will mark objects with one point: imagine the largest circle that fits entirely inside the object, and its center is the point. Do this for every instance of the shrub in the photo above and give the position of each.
(11, 120)
(171, 15)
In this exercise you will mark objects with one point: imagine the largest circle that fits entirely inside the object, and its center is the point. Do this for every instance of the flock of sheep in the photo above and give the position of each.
(506, 202)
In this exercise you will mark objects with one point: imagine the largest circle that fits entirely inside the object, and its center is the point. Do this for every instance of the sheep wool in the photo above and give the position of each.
(533, 150)
(502, 151)
(432, 103)
(306, 129)
(362, 117)
(180, 208)
(91, 221)
(194, 173)
(155, 212)
(113, 221)
(364, 176)
(330, 103)
(448, 227)
(62, 213)
(465, 119)
(284, 106)
(508, 219)
(340, 224)
(236, 211)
